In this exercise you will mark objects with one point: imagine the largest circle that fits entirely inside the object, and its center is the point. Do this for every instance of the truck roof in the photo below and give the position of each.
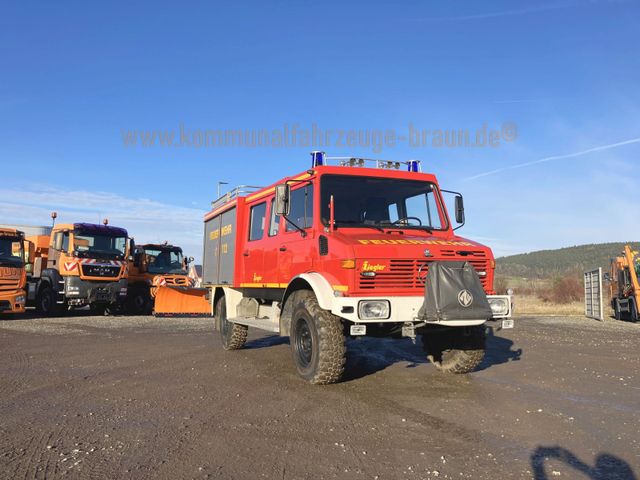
(94, 228)
(10, 232)
(159, 246)
(258, 192)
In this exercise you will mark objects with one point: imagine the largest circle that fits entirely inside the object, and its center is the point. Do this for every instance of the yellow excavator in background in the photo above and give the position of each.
(624, 285)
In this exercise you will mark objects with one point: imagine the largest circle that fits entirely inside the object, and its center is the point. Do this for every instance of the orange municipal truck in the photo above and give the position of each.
(12, 271)
(152, 266)
(345, 250)
(76, 265)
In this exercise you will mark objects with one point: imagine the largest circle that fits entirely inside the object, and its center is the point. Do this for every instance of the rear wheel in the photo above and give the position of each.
(457, 349)
(233, 335)
(317, 341)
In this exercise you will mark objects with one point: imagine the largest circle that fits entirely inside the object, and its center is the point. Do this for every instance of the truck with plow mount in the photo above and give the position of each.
(153, 266)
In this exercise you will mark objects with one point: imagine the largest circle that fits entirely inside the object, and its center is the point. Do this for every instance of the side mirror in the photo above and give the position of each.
(190, 260)
(607, 277)
(57, 241)
(31, 252)
(281, 204)
(459, 209)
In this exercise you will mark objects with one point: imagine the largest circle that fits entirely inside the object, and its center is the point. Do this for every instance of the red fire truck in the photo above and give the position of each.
(344, 249)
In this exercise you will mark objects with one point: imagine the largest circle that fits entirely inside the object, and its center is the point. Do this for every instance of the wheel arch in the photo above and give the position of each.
(313, 281)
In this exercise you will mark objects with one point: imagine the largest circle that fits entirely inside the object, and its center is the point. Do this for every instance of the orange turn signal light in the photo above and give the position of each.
(351, 263)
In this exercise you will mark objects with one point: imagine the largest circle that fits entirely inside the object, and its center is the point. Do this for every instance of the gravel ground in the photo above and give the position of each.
(140, 397)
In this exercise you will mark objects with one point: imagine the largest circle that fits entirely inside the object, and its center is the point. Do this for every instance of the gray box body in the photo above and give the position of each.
(218, 259)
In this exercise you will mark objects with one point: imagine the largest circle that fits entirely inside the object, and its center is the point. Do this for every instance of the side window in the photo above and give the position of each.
(393, 212)
(274, 222)
(256, 221)
(301, 208)
(65, 242)
(425, 208)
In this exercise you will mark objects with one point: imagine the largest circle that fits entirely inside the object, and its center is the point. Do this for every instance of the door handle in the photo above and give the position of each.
(283, 249)
(246, 254)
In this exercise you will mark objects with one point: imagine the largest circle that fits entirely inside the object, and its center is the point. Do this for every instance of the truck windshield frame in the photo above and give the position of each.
(381, 202)
(8, 257)
(168, 264)
(95, 245)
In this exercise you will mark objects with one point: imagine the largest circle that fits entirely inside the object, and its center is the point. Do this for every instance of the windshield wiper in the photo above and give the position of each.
(360, 225)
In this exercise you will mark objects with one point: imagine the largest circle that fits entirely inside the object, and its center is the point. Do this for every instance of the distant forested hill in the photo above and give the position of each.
(552, 263)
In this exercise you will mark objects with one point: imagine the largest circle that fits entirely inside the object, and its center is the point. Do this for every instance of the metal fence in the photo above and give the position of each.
(593, 305)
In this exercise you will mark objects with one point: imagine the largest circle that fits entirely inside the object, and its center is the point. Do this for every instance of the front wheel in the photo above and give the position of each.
(456, 349)
(46, 302)
(139, 301)
(233, 335)
(317, 341)
(633, 314)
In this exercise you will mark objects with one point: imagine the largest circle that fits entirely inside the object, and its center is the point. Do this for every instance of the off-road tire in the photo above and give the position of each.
(46, 302)
(317, 341)
(456, 350)
(232, 334)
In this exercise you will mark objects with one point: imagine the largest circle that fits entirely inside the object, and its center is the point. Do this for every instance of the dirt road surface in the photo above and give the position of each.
(143, 397)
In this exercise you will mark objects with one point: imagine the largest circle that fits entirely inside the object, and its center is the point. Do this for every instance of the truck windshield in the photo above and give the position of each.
(11, 252)
(165, 260)
(92, 245)
(382, 203)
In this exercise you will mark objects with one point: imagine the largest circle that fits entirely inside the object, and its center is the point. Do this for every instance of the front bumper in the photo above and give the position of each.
(13, 303)
(80, 292)
(405, 309)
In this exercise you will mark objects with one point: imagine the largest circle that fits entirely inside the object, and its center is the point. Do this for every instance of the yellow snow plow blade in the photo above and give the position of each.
(176, 301)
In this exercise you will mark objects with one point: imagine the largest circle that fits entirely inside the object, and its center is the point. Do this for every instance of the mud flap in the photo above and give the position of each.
(177, 301)
(453, 292)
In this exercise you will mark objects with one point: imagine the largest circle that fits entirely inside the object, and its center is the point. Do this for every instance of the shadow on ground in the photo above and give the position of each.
(367, 355)
(499, 350)
(607, 466)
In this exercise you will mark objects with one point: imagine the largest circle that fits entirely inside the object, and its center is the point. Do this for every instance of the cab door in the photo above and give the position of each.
(271, 244)
(297, 251)
(253, 254)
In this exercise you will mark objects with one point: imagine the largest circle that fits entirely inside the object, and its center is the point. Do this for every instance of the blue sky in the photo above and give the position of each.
(75, 77)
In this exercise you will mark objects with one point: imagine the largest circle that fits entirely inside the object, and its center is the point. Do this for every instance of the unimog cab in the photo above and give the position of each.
(152, 266)
(348, 250)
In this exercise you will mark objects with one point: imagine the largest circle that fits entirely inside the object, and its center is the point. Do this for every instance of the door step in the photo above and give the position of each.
(264, 323)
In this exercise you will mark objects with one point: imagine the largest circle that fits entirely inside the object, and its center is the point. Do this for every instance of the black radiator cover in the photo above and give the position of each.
(453, 292)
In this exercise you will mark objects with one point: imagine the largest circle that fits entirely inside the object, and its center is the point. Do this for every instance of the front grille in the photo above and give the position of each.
(9, 285)
(407, 274)
(179, 281)
(100, 270)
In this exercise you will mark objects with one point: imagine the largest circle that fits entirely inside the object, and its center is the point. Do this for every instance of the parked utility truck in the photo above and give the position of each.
(79, 264)
(346, 250)
(12, 271)
(625, 287)
(152, 266)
